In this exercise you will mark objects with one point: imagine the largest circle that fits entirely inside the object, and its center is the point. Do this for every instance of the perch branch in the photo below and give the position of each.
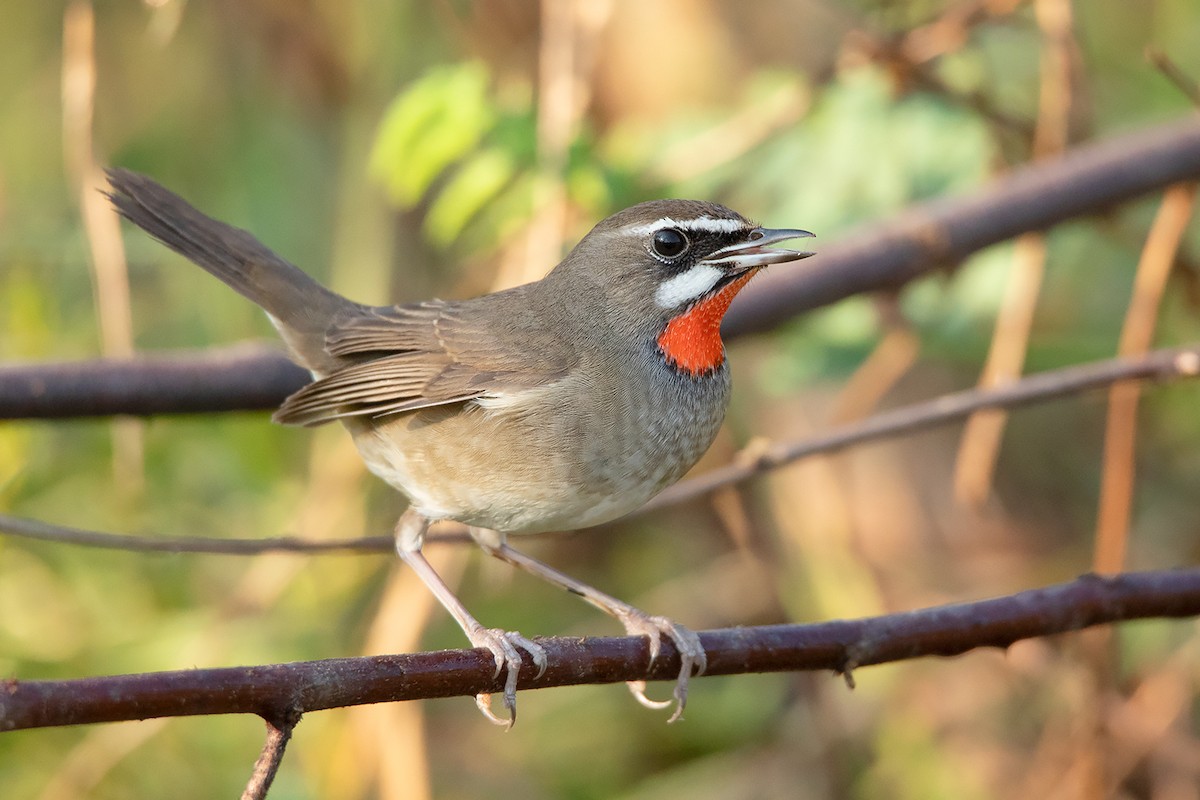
(284, 691)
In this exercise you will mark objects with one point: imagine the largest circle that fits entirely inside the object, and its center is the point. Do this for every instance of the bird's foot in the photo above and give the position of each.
(692, 659)
(503, 646)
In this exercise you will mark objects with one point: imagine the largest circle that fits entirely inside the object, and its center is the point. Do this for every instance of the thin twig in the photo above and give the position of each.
(1120, 431)
(979, 446)
(1158, 365)
(952, 28)
(1186, 84)
(106, 249)
(841, 646)
(892, 357)
(46, 532)
(267, 765)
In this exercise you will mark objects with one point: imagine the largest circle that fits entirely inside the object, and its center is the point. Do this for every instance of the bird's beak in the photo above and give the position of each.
(756, 251)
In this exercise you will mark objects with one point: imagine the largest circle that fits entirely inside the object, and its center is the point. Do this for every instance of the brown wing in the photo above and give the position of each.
(436, 353)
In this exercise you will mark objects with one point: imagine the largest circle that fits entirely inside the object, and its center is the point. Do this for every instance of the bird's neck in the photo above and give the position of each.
(691, 342)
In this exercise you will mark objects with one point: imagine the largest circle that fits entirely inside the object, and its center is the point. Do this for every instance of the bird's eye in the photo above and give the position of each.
(668, 242)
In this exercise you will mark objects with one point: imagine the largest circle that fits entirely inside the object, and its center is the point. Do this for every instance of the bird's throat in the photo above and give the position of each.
(691, 342)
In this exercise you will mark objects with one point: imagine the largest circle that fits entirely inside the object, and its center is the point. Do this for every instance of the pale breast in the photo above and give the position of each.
(568, 455)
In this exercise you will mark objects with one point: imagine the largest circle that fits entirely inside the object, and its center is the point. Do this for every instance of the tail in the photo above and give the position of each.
(301, 308)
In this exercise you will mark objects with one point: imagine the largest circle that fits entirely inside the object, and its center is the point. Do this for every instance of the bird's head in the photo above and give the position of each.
(669, 269)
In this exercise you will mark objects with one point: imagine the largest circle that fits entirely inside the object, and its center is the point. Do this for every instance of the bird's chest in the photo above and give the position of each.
(656, 428)
(582, 451)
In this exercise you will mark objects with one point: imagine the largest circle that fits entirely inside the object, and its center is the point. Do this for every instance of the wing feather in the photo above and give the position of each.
(403, 358)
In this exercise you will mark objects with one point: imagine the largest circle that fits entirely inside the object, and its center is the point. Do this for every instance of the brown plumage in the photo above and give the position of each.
(554, 405)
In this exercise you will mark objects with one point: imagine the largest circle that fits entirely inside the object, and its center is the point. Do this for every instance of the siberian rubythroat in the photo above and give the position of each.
(560, 404)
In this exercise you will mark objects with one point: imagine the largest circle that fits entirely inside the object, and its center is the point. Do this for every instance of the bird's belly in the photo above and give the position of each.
(525, 472)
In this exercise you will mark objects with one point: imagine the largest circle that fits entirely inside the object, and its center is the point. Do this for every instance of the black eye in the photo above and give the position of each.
(668, 242)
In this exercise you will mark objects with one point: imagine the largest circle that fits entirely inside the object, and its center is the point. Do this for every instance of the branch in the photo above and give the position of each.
(1158, 365)
(267, 765)
(47, 532)
(882, 254)
(244, 377)
(283, 691)
(930, 236)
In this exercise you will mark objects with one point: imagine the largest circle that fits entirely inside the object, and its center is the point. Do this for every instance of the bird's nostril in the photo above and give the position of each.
(756, 235)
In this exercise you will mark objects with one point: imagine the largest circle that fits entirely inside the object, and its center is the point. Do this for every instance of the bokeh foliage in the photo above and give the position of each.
(398, 150)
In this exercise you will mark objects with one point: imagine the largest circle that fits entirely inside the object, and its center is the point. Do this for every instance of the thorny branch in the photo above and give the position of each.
(284, 691)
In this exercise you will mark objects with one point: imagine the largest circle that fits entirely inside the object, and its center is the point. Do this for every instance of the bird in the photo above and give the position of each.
(555, 405)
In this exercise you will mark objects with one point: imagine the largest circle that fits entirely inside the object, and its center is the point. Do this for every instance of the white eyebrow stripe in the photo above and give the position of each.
(703, 224)
(687, 286)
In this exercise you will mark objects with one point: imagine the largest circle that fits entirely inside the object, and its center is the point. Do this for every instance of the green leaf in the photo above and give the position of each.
(471, 188)
(437, 121)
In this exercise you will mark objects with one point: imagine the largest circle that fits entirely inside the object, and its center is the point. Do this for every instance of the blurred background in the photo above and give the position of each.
(401, 149)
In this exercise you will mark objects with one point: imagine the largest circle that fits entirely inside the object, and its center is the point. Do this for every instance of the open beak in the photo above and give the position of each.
(756, 251)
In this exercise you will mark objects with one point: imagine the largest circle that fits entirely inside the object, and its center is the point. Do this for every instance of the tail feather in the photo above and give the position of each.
(301, 308)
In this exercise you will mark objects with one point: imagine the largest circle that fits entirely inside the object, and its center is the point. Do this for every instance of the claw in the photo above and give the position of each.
(503, 646)
(483, 701)
(638, 690)
(692, 659)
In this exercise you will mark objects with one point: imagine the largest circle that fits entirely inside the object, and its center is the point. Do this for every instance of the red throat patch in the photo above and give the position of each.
(692, 341)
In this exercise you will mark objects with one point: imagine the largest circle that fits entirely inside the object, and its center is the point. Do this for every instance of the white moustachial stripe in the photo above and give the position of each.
(700, 224)
(687, 286)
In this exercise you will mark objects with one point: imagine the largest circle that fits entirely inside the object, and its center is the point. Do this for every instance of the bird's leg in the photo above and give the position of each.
(635, 621)
(410, 535)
